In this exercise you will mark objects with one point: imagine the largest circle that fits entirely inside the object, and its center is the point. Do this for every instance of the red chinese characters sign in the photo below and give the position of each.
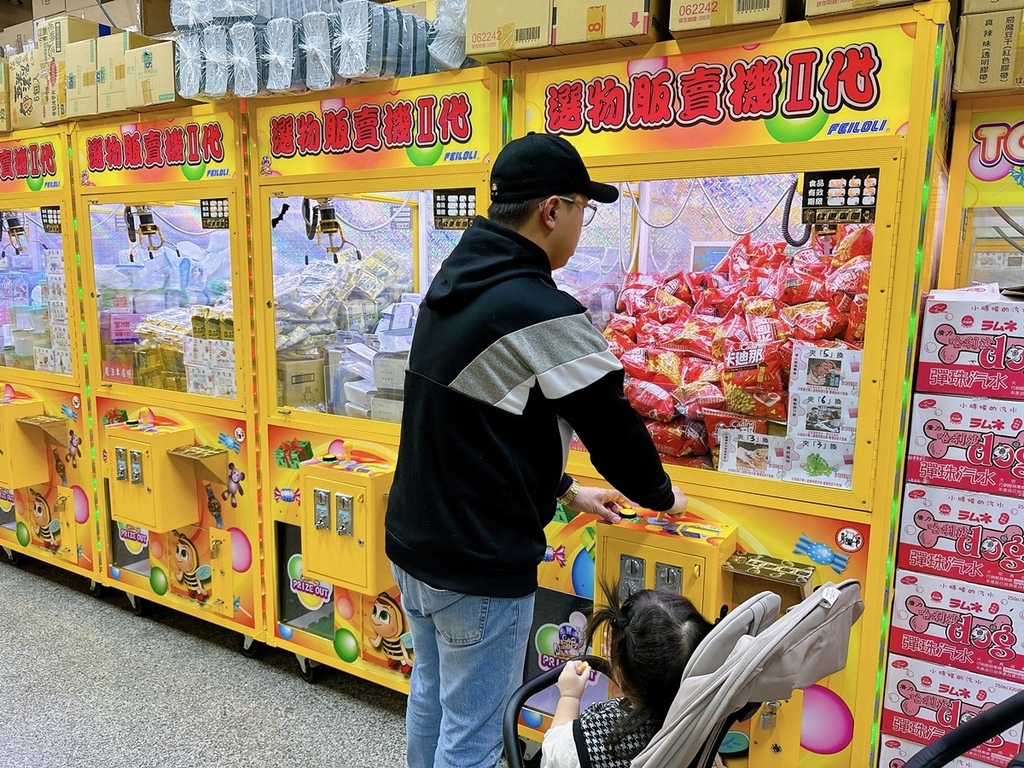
(33, 165)
(418, 127)
(167, 151)
(831, 87)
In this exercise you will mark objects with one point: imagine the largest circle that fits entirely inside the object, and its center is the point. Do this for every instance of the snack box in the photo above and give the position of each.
(894, 753)
(924, 701)
(974, 445)
(950, 622)
(972, 344)
(972, 537)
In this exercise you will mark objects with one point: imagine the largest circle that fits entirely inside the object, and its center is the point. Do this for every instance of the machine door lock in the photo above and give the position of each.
(343, 505)
(321, 509)
(768, 714)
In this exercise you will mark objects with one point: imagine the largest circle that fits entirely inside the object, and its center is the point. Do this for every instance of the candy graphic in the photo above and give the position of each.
(821, 553)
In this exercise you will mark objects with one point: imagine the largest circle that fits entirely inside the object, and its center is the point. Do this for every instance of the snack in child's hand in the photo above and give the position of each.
(582, 668)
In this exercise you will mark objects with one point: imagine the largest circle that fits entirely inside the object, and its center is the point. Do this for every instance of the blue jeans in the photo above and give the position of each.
(469, 657)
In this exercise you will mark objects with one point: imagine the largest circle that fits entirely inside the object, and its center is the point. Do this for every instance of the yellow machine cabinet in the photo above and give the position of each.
(23, 459)
(684, 558)
(342, 518)
(151, 488)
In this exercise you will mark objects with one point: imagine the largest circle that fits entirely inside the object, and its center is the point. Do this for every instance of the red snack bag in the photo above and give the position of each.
(733, 330)
(796, 284)
(692, 398)
(752, 380)
(667, 308)
(857, 320)
(737, 261)
(649, 332)
(716, 420)
(761, 306)
(852, 277)
(682, 437)
(650, 400)
(766, 255)
(654, 365)
(635, 301)
(718, 302)
(618, 344)
(763, 329)
(694, 337)
(854, 240)
(640, 280)
(696, 369)
(698, 282)
(622, 324)
(812, 321)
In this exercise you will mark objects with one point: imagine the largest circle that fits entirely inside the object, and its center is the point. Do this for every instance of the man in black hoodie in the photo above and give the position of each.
(503, 367)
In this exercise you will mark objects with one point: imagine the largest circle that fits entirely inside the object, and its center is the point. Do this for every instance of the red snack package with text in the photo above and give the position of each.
(697, 369)
(854, 240)
(692, 398)
(666, 308)
(618, 344)
(650, 400)
(734, 331)
(718, 302)
(752, 380)
(694, 337)
(797, 285)
(852, 277)
(767, 255)
(857, 321)
(622, 324)
(812, 321)
(635, 301)
(682, 437)
(655, 365)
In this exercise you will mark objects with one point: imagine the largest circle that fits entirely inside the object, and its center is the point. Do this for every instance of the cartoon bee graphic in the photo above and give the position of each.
(190, 573)
(47, 528)
(388, 621)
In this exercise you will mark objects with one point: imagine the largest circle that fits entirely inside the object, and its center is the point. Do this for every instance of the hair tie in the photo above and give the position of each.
(620, 622)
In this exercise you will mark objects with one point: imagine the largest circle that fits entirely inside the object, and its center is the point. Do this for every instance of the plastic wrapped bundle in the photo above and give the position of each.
(414, 59)
(217, 62)
(359, 29)
(247, 60)
(223, 10)
(191, 14)
(282, 55)
(188, 64)
(317, 46)
(448, 48)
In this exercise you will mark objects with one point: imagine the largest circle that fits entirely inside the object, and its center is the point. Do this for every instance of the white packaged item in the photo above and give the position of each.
(356, 411)
(217, 62)
(359, 23)
(282, 55)
(386, 408)
(448, 47)
(188, 64)
(191, 14)
(317, 45)
(360, 392)
(246, 60)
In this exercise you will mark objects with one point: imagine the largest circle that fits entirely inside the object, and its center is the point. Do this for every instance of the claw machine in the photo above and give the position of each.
(358, 196)
(163, 225)
(47, 486)
(759, 281)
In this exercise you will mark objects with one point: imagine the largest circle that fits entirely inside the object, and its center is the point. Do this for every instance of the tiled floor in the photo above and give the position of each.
(86, 683)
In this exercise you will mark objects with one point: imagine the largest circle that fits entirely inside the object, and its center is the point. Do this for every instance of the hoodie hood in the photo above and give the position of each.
(487, 254)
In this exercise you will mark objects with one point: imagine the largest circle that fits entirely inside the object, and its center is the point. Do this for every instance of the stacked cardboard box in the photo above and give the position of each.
(987, 53)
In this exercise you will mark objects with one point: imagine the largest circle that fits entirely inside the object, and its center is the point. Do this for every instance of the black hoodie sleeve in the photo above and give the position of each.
(620, 447)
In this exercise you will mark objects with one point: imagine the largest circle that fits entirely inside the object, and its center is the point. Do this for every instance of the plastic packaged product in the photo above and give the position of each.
(317, 41)
(391, 48)
(246, 60)
(448, 46)
(188, 57)
(217, 62)
(192, 14)
(359, 29)
(413, 57)
(282, 55)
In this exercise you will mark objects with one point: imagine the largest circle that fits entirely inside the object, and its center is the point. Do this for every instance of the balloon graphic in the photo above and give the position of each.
(787, 130)
(987, 173)
(194, 172)
(115, 572)
(343, 605)
(284, 631)
(35, 183)
(650, 66)
(583, 575)
(241, 551)
(21, 531)
(156, 546)
(532, 718)
(425, 156)
(827, 723)
(158, 580)
(81, 504)
(346, 645)
(546, 639)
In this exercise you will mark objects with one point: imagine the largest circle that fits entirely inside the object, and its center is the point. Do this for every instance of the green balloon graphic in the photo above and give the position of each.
(35, 183)
(193, 172)
(22, 533)
(346, 645)
(158, 580)
(787, 130)
(424, 156)
(547, 638)
(295, 566)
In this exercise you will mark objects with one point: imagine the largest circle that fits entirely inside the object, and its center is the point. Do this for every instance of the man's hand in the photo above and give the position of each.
(679, 507)
(604, 502)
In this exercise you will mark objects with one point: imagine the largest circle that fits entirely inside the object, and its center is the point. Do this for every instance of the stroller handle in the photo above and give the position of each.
(510, 721)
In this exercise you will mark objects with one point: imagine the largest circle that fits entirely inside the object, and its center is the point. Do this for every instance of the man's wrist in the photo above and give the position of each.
(571, 493)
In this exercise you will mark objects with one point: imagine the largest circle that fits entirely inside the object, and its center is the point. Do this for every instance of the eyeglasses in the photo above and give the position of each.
(589, 209)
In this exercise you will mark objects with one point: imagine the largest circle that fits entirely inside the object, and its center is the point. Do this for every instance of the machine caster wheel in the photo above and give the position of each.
(251, 648)
(95, 588)
(137, 603)
(14, 558)
(309, 669)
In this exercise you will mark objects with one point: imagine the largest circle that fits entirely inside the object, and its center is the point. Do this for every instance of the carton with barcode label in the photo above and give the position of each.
(587, 25)
(503, 31)
(689, 16)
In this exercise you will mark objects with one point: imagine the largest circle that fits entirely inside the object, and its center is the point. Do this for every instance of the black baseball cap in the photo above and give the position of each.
(540, 164)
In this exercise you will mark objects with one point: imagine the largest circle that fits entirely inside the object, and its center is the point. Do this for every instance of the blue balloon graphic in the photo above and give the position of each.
(583, 575)
(115, 572)
(531, 718)
(284, 631)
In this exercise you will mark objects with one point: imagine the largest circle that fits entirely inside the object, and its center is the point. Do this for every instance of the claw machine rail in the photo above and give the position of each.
(47, 485)
(358, 196)
(759, 280)
(163, 214)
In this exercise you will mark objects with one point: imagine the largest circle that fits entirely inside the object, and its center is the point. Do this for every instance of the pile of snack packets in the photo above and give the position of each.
(703, 350)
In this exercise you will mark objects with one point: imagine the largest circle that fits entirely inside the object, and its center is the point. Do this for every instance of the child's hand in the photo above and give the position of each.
(573, 679)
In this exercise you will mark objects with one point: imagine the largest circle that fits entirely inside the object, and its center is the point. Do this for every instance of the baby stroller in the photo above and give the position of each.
(748, 658)
(969, 735)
